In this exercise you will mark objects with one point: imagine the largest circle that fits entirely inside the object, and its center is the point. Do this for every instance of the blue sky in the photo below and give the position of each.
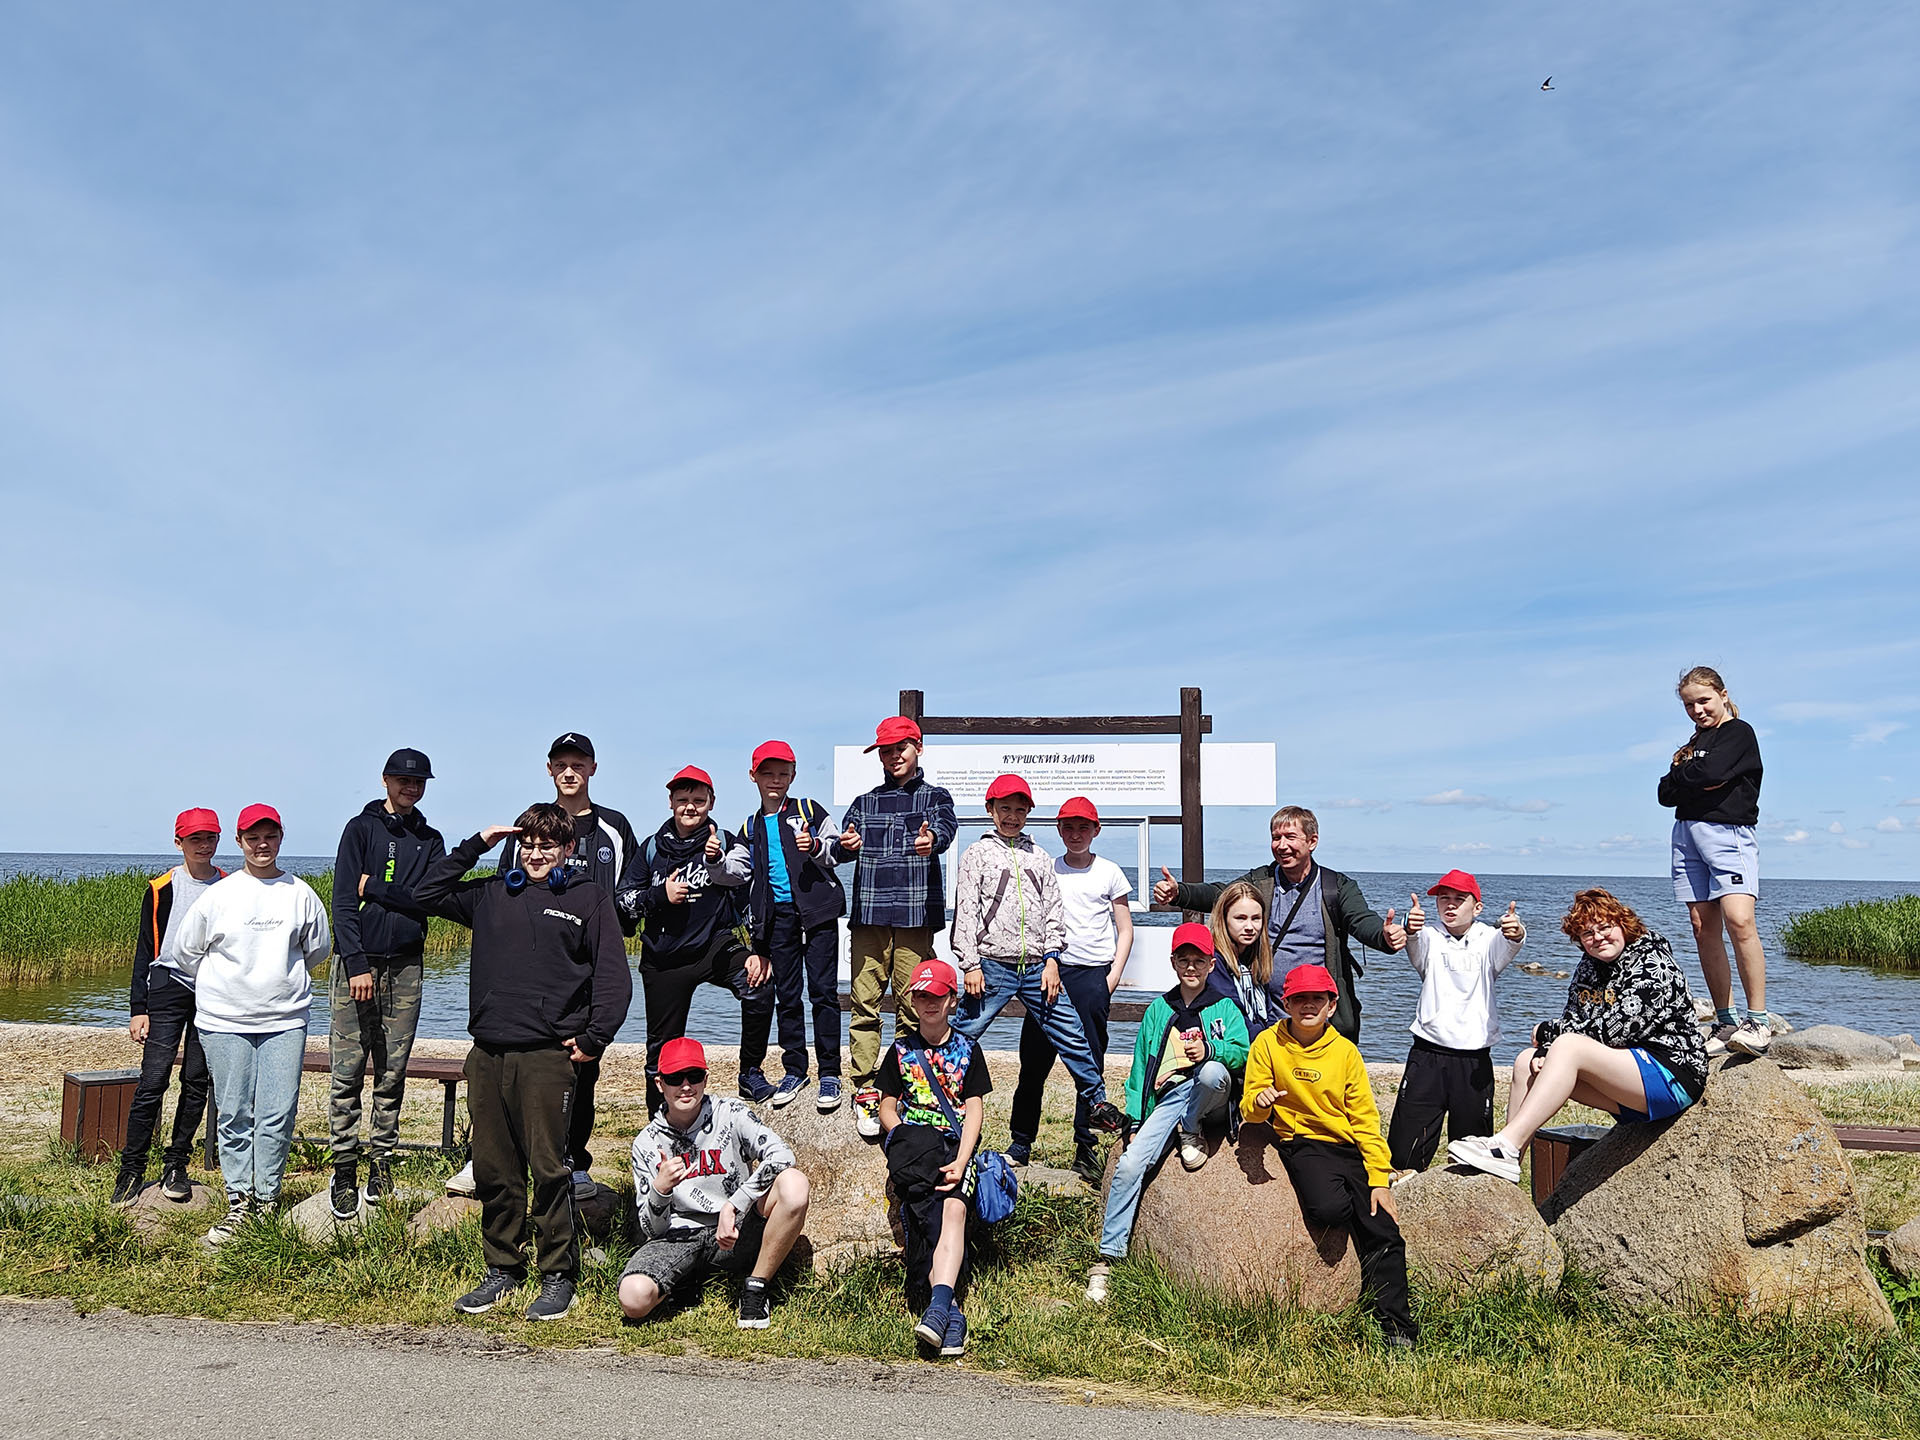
(454, 376)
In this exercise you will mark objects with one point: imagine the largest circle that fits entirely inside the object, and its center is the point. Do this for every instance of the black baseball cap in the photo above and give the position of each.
(413, 764)
(571, 741)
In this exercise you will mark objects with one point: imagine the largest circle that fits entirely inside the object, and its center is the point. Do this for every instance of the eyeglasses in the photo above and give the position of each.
(541, 847)
(682, 1078)
(1596, 932)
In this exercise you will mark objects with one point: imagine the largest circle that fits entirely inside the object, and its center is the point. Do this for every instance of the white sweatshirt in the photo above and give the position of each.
(246, 948)
(1456, 984)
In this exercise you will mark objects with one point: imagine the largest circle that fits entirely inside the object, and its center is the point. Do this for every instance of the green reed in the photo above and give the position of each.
(1885, 933)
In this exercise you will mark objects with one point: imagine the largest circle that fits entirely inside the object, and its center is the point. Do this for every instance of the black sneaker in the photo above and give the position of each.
(1019, 1153)
(127, 1186)
(1105, 1117)
(1086, 1164)
(175, 1185)
(554, 1300)
(756, 1305)
(345, 1193)
(495, 1286)
(754, 1087)
(379, 1186)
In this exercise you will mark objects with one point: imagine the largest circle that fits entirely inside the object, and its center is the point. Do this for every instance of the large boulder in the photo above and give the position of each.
(151, 1211)
(1834, 1047)
(1903, 1250)
(1465, 1228)
(847, 1217)
(1745, 1197)
(1234, 1225)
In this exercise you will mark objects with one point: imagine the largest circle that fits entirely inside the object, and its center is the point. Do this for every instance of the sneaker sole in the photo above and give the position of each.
(1748, 1048)
(826, 1107)
(781, 1101)
(1486, 1166)
(340, 1218)
(949, 1352)
(477, 1309)
(928, 1336)
(179, 1199)
(755, 1324)
(556, 1315)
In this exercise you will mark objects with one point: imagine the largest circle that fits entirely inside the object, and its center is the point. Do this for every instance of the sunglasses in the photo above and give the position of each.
(684, 1077)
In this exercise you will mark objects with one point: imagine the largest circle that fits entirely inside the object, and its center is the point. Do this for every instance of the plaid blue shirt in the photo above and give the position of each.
(891, 884)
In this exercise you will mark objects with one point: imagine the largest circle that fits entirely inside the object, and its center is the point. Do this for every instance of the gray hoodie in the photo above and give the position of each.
(729, 1155)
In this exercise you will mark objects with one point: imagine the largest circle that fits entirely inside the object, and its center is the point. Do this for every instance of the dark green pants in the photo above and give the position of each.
(519, 1101)
(379, 1030)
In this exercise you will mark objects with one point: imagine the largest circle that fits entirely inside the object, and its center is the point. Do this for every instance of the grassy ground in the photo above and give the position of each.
(1885, 933)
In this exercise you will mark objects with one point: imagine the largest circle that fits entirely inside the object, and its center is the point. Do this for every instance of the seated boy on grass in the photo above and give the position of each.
(713, 1189)
(929, 1159)
(1191, 1043)
(1308, 1082)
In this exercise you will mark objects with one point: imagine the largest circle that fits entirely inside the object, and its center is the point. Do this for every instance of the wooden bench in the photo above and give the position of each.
(448, 1072)
(1879, 1137)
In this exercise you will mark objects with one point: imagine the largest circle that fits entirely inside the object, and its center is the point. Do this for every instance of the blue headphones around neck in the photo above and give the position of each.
(516, 879)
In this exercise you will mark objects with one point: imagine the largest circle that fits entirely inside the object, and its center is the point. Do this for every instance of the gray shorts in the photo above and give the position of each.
(1711, 861)
(682, 1264)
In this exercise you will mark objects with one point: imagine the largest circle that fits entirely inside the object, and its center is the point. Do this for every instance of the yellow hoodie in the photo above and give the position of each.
(1324, 1093)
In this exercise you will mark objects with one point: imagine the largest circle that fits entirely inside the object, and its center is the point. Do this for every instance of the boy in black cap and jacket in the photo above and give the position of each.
(380, 937)
(548, 988)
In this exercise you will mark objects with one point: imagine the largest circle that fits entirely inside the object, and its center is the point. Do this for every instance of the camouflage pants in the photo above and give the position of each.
(380, 1030)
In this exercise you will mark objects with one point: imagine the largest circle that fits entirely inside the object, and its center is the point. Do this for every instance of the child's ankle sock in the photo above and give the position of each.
(942, 1299)
(1726, 1017)
(1759, 1019)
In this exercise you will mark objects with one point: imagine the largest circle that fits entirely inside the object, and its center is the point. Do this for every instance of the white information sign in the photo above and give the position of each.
(1119, 774)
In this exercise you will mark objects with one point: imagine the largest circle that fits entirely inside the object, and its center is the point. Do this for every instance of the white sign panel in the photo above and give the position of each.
(1123, 775)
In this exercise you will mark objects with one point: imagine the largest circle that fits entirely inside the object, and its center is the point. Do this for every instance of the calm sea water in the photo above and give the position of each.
(1883, 1002)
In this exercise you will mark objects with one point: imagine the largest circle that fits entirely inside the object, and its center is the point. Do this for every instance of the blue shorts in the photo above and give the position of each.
(1665, 1095)
(1710, 861)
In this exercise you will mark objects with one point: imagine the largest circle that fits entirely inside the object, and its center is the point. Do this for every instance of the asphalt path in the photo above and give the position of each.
(112, 1374)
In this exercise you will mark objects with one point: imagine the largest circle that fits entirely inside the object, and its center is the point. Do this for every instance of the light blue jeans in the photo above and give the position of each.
(1186, 1107)
(256, 1089)
(1058, 1021)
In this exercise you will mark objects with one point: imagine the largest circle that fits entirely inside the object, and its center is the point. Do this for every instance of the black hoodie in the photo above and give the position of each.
(678, 935)
(393, 853)
(548, 965)
(1718, 778)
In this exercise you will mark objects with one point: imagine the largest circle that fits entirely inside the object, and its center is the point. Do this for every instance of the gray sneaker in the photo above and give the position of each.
(495, 1286)
(554, 1300)
(1718, 1037)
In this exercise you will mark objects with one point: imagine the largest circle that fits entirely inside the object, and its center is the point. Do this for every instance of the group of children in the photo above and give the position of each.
(755, 912)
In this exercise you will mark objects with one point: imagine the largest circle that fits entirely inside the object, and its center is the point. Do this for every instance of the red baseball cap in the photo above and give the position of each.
(682, 1053)
(1456, 880)
(1004, 785)
(254, 814)
(772, 750)
(1308, 980)
(195, 822)
(1079, 808)
(691, 775)
(894, 729)
(934, 977)
(1192, 933)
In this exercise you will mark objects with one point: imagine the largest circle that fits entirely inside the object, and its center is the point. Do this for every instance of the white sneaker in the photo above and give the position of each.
(238, 1208)
(461, 1181)
(866, 1114)
(1097, 1283)
(1481, 1153)
(1192, 1153)
(1750, 1039)
(1718, 1037)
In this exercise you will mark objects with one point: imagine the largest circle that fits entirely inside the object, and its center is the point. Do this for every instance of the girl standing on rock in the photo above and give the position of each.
(1713, 787)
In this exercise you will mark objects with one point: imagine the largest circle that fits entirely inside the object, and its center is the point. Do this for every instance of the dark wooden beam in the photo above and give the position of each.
(1193, 850)
(1052, 724)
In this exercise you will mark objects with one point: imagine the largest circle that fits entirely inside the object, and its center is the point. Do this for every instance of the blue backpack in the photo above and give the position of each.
(996, 1188)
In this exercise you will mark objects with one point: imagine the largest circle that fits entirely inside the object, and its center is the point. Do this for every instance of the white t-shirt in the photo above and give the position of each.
(1086, 899)
(246, 948)
(1456, 984)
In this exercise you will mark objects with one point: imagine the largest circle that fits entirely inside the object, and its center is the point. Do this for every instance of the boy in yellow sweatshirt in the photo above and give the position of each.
(1308, 1082)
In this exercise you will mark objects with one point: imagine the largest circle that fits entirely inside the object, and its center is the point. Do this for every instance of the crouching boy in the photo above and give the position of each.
(548, 987)
(932, 1083)
(1308, 1082)
(1191, 1044)
(714, 1189)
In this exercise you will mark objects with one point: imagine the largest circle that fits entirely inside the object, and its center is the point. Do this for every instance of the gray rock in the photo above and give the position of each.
(1903, 1250)
(1466, 1228)
(1051, 1180)
(150, 1211)
(313, 1217)
(442, 1213)
(1834, 1047)
(848, 1215)
(1909, 1049)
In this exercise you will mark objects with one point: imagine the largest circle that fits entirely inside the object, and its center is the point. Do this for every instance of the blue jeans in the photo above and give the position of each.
(1058, 1021)
(256, 1088)
(1187, 1106)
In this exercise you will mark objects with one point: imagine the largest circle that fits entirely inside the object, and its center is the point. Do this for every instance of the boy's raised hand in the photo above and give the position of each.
(1166, 889)
(677, 889)
(1394, 935)
(494, 834)
(923, 842)
(1416, 917)
(669, 1173)
(1510, 925)
(850, 840)
(803, 838)
(713, 851)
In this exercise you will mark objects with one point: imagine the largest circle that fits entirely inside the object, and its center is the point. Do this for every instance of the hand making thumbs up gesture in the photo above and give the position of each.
(714, 850)
(1394, 935)
(923, 842)
(1510, 925)
(1166, 889)
(677, 889)
(850, 840)
(1416, 917)
(803, 838)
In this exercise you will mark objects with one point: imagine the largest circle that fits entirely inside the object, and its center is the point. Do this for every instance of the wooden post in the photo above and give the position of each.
(913, 705)
(1193, 850)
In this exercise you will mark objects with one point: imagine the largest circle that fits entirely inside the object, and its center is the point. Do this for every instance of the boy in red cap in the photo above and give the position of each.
(794, 905)
(682, 892)
(895, 834)
(1308, 1082)
(1191, 1043)
(160, 1011)
(929, 1159)
(1008, 930)
(1449, 1074)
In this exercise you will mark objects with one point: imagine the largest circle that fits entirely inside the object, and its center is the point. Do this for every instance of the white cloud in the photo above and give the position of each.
(1836, 828)
(1852, 844)
(1877, 732)
(1623, 842)
(1890, 826)
(1914, 801)
(1485, 802)
(1795, 837)
(1354, 802)
(1466, 847)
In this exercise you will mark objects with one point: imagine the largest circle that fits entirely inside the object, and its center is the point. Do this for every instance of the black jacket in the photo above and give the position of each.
(680, 934)
(547, 964)
(393, 853)
(605, 851)
(1636, 1001)
(156, 906)
(1718, 779)
(1343, 914)
(817, 895)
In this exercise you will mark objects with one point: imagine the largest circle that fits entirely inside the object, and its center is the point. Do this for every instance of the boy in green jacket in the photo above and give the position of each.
(1191, 1044)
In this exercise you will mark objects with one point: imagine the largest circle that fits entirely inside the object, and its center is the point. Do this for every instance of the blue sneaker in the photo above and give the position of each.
(790, 1086)
(827, 1098)
(754, 1087)
(932, 1329)
(955, 1342)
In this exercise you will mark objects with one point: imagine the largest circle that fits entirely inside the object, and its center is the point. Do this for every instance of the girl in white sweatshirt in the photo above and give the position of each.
(246, 948)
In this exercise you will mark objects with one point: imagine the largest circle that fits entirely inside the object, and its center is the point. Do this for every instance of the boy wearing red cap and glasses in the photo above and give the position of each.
(160, 1010)
(1308, 1082)
(1449, 1072)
